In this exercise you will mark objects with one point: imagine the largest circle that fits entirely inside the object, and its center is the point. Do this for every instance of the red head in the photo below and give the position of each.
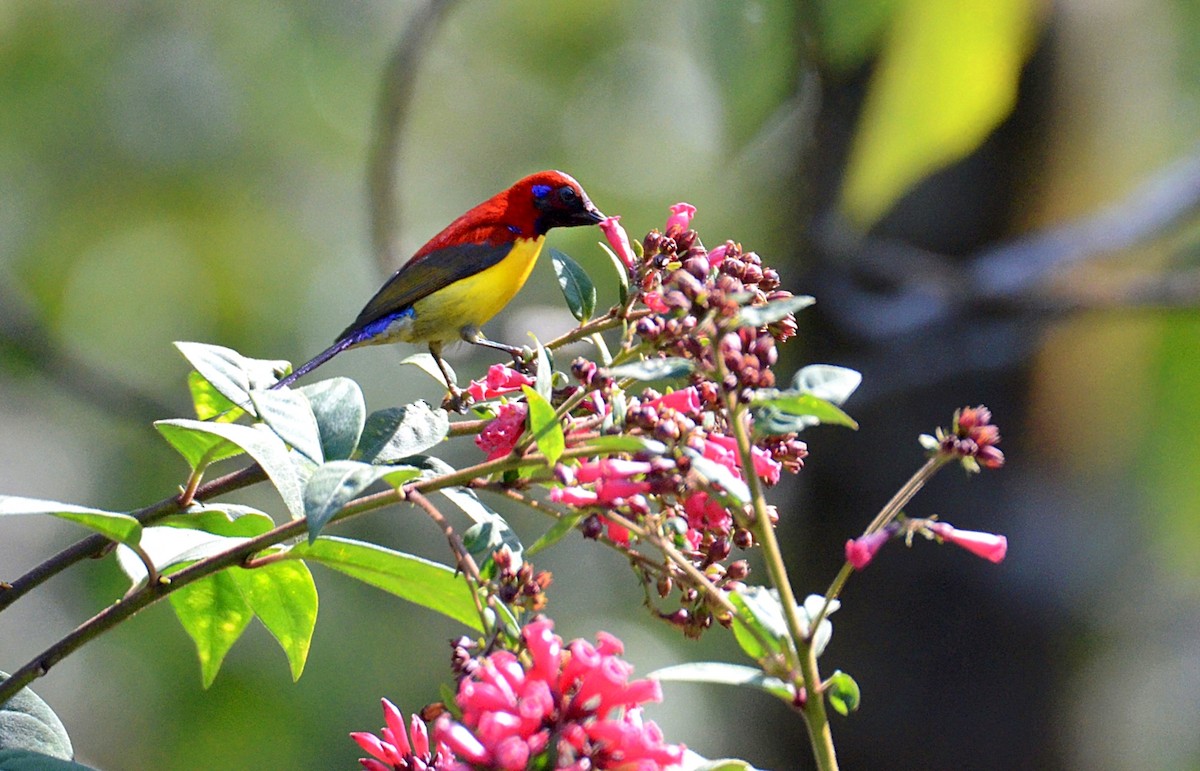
(528, 209)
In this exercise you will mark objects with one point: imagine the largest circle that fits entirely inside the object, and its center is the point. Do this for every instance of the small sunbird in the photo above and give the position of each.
(465, 274)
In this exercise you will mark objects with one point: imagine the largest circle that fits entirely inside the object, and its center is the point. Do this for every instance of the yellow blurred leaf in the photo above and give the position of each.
(946, 77)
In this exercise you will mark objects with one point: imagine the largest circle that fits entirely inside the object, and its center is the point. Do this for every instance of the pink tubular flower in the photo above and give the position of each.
(610, 468)
(680, 219)
(685, 400)
(498, 437)
(707, 515)
(395, 751)
(564, 707)
(500, 380)
(574, 496)
(723, 450)
(987, 545)
(717, 256)
(860, 551)
(619, 241)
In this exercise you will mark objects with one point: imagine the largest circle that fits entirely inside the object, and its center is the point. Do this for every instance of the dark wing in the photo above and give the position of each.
(421, 277)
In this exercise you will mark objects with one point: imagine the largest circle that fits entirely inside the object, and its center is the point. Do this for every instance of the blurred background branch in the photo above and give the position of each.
(395, 97)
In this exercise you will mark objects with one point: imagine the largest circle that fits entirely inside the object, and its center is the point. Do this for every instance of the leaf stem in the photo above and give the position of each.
(885, 516)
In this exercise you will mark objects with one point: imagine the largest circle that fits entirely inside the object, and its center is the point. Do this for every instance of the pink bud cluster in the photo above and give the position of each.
(972, 438)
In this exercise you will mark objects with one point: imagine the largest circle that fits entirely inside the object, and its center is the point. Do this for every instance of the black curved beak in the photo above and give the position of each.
(589, 216)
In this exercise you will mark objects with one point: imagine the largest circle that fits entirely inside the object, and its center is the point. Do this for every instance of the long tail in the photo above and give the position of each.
(315, 362)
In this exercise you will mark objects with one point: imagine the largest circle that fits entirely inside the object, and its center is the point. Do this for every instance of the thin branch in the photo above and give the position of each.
(97, 545)
(466, 563)
(23, 337)
(924, 289)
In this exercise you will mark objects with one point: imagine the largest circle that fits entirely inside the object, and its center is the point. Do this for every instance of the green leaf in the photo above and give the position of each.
(827, 381)
(576, 285)
(340, 411)
(788, 411)
(762, 315)
(211, 404)
(427, 364)
(259, 443)
(759, 609)
(230, 373)
(667, 368)
(490, 530)
(111, 524)
(544, 382)
(719, 475)
(199, 448)
(844, 694)
(626, 443)
(214, 613)
(809, 611)
(544, 426)
(171, 547)
(726, 674)
(25, 760)
(722, 764)
(28, 724)
(332, 486)
(225, 519)
(428, 584)
(946, 78)
(395, 433)
(288, 414)
(284, 597)
(622, 273)
(556, 533)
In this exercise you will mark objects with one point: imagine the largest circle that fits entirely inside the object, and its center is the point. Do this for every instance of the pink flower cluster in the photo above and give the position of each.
(570, 707)
(500, 435)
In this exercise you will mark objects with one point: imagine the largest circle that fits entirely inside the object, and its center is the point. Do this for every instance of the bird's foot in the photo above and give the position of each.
(524, 360)
(457, 400)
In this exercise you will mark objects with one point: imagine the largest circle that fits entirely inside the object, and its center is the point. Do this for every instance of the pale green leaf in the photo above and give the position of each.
(284, 597)
(429, 584)
(122, 528)
(947, 77)
(545, 426)
(214, 614)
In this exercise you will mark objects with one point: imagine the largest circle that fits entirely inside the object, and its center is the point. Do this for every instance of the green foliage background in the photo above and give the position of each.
(196, 171)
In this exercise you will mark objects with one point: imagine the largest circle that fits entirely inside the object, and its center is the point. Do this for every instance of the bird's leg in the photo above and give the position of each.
(521, 356)
(456, 399)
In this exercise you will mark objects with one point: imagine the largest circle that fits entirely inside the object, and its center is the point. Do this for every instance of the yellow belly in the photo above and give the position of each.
(472, 301)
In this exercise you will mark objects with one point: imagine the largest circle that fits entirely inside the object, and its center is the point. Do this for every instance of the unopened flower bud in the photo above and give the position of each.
(738, 570)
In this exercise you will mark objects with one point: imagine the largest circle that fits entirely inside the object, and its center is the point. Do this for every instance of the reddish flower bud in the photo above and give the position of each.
(681, 217)
(619, 241)
(860, 551)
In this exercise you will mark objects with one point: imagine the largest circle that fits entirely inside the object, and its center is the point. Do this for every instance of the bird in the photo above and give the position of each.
(465, 274)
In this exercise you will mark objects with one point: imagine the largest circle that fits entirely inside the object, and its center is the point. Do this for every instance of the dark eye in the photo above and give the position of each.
(567, 195)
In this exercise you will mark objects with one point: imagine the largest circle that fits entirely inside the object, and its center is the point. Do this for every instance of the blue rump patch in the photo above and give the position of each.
(541, 191)
(379, 326)
(516, 231)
